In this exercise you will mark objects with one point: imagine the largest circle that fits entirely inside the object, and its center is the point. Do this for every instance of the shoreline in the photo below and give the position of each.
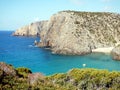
(106, 50)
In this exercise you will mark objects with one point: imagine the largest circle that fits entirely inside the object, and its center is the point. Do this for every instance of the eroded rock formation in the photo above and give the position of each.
(30, 30)
(76, 33)
(71, 32)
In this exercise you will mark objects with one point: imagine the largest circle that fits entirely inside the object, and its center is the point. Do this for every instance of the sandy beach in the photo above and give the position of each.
(103, 50)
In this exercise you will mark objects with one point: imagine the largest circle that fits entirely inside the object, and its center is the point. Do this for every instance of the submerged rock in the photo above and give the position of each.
(116, 53)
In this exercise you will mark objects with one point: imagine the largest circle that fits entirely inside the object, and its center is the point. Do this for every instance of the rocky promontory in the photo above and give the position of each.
(78, 33)
(32, 29)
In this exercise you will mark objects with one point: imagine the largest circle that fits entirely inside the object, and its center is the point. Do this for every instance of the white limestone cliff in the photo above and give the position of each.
(32, 29)
(76, 33)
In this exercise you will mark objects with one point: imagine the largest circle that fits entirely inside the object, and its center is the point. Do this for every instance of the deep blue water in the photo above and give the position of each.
(21, 52)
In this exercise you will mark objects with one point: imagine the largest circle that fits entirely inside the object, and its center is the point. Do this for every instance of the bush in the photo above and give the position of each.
(75, 79)
(23, 72)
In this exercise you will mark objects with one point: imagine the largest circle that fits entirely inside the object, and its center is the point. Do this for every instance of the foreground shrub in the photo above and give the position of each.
(75, 79)
(23, 72)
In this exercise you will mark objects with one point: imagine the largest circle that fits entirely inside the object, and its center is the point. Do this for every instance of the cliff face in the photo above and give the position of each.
(30, 30)
(71, 32)
(76, 33)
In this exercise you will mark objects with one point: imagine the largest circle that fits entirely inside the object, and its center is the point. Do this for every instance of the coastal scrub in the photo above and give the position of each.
(74, 79)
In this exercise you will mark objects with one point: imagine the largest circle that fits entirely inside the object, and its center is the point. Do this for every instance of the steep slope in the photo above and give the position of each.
(75, 79)
(30, 30)
(75, 33)
(72, 32)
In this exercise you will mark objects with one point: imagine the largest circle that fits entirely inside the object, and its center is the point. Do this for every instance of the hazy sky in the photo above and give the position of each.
(17, 13)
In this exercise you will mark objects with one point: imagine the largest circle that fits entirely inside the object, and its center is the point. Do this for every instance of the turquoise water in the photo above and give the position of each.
(21, 52)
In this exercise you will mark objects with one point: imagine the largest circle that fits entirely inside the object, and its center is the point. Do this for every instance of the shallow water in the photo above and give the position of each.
(21, 52)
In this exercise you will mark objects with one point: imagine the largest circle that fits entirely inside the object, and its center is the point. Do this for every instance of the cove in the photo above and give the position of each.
(21, 52)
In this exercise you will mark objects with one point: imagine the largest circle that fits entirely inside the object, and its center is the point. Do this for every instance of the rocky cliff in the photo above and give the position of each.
(30, 30)
(76, 33)
(72, 32)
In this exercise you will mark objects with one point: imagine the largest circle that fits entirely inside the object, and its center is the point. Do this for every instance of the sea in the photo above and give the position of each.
(21, 52)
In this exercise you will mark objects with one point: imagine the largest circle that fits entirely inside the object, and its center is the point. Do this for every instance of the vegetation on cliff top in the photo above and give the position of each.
(75, 79)
(75, 32)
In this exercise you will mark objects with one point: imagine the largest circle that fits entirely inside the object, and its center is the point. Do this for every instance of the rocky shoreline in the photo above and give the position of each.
(32, 29)
(77, 33)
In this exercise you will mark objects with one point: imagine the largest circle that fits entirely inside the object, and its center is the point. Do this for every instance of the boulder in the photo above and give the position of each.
(7, 69)
(35, 77)
(116, 53)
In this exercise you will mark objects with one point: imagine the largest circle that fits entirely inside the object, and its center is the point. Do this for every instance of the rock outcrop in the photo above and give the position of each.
(7, 69)
(30, 30)
(116, 53)
(35, 77)
(77, 33)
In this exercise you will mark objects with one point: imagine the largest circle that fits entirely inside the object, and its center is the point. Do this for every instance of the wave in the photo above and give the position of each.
(32, 46)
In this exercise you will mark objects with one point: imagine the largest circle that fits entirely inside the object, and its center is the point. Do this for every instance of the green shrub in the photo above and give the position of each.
(75, 79)
(23, 72)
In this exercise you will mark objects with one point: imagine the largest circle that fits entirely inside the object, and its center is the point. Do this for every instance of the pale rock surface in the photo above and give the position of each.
(7, 69)
(77, 33)
(30, 30)
(116, 53)
(35, 77)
